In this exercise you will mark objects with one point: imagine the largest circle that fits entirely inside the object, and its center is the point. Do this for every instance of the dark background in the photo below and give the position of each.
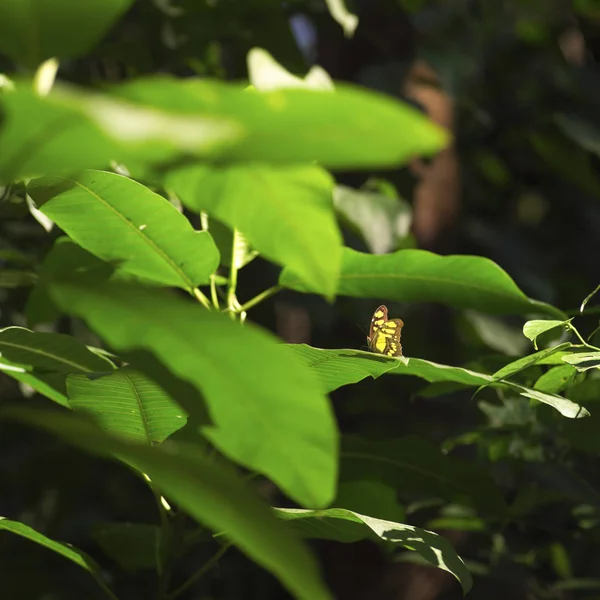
(518, 84)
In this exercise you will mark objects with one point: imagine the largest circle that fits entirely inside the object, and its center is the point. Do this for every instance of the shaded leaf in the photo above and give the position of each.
(226, 362)
(125, 402)
(65, 550)
(206, 490)
(32, 31)
(555, 379)
(133, 546)
(415, 467)
(345, 525)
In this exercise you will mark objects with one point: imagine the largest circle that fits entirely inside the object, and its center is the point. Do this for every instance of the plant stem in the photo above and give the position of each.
(202, 298)
(574, 330)
(260, 297)
(213, 292)
(209, 564)
(232, 301)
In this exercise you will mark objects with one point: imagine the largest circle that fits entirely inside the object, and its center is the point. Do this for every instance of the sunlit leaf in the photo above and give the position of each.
(533, 329)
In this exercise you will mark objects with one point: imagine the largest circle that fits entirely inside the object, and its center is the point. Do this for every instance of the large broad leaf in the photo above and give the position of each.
(66, 550)
(120, 220)
(348, 128)
(285, 213)
(268, 410)
(348, 526)
(127, 403)
(336, 368)
(206, 490)
(33, 31)
(421, 276)
(415, 467)
(72, 129)
(42, 360)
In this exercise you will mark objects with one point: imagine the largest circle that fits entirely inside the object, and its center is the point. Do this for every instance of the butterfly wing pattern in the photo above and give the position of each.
(384, 333)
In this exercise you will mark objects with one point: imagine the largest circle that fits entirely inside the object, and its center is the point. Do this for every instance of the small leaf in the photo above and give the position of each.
(120, 220)
(337, 523)
(565, 407)
(555, 379)
(583, 361)
(533, 329)
(588, 298)
(65, 550)
(125, 402)
(421, 276)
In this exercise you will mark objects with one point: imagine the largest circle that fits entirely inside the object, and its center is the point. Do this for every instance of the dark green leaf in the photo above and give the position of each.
(203, 488)
(345, 525)
(133, 545)
(33, 31)
(414, 466)
(66, 550)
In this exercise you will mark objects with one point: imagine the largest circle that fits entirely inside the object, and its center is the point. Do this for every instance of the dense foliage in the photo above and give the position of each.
(180, 179)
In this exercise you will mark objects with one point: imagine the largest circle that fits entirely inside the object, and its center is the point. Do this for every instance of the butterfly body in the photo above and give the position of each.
(384, 334)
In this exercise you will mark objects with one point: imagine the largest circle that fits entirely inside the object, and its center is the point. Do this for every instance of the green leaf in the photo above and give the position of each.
(382, 221)
(49, 352)
(126, 403)
(72, 129)
(41, 360)
(421, 276)
(340, 367)
(133, 546)
(340, 524)
(206, 490)
(65, 257)
(65, 550)
(285, 213)
(555, 379)
(259, 396)
(583, 361)
(382, 131)
(368, 496)
(533, 329)
(120, 220)
(414, 466)
(32, 31)
(336, 368)
(527, 361)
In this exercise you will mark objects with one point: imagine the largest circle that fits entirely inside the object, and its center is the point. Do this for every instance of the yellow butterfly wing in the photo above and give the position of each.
(384, 334)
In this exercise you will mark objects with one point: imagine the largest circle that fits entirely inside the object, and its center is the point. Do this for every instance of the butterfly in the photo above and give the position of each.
(384, 334)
